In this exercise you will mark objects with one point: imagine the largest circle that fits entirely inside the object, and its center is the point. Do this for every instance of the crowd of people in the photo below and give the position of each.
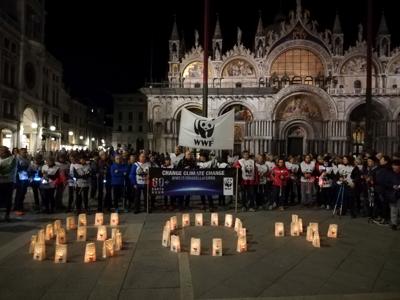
(365, 185)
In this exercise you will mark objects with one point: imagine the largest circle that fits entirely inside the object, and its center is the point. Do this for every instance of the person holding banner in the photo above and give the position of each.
(249, 179)
(206, 163)
(138, 177)
(168, 165)
(280, 176)
(188, 162)
(176, 157)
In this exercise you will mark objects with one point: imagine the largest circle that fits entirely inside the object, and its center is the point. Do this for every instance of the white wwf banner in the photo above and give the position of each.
(206, 133)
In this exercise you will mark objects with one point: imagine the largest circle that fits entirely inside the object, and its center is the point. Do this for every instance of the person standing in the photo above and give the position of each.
(307, 168)
(119, 171)
(22, 180)
(249, 179)
(50, 180)
(176, 157)
(280, 176)
(8, 169)
(81, 174)
(393, 190)
(139, 176)
(35, 171)
(64, 167)
(188, 162)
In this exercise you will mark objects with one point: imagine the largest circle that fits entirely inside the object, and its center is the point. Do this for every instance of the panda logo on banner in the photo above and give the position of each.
(206, 133)
(204, 128)
(228, 186)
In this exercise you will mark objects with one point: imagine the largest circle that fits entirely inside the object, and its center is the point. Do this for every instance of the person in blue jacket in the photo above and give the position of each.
(119, 171)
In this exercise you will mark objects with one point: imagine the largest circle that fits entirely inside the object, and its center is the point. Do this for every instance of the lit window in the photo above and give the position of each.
(297, 62)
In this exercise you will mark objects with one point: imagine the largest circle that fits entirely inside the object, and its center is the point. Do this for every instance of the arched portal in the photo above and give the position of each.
(299, 120)
(243, 115)
(29, 130)
(357, 124)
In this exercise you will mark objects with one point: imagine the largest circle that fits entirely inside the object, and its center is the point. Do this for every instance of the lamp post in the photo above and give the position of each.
(205, 61)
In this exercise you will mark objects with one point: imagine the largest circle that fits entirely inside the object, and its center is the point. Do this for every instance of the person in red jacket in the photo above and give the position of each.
(249, 179)
(280, 176)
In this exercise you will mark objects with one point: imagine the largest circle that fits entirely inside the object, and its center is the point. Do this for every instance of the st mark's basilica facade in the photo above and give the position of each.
(297, 90)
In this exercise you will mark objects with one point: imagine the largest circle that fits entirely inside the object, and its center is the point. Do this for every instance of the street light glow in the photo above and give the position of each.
(70, 133)
(52, 128)
(34, 125)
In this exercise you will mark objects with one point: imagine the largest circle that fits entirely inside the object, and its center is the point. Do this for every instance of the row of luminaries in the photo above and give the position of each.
(173, 240)
(37, 246)
(296, 229)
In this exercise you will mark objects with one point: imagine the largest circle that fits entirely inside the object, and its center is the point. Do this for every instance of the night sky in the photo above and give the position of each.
(106, 46)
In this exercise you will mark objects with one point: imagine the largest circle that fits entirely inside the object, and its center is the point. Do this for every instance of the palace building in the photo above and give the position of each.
(297, 90)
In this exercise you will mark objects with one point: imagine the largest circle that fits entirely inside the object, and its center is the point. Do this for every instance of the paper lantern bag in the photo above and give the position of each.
(39, 252)
(114, 219)
(185, 220)
(175, 243)
(102, 233)
(279, 229)
(81, 234)
(166, 237)
(98, 219)
(241, 244)
(61, 237)
(195, 246)
(173, 222)
(332, 231)
(214, 219)
(294, 229)
(49, 232)
(82, 220)
(90, 253)
(238, 225)
(198, 219)
(32, 243)
(118, 241)
(70, 223)
(60, 256)
(57, 225)
(228, 220)
(108, 248)
(217, 247)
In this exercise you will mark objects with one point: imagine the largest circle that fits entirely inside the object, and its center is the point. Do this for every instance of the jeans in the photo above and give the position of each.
(307, 192)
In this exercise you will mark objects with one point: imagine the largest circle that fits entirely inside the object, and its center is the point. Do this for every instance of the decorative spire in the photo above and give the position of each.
(174, 33)
(298, 9)
(260, 26)
(337, 27)
(217, 31)
(383, 28)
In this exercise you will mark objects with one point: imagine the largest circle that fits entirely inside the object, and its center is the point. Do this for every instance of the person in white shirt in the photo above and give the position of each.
(261, 191)
(293, 183)
(307, 168)
(249, 177)
(270, 163)
(80, 172)
(176, 157)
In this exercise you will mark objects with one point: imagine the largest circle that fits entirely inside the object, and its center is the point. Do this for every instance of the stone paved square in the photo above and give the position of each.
(362, 263)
